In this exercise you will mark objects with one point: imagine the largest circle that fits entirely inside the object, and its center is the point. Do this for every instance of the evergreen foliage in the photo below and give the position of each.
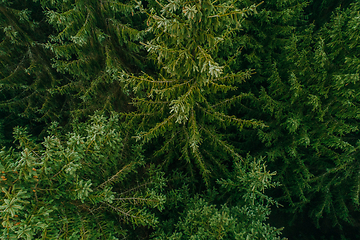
(320, 12)
(93, 41)
(197, 87)
(262, 40)
(237, 210)
(312, 102)
(59, 57)
(185, 102)
(25, 68)
(77, 185)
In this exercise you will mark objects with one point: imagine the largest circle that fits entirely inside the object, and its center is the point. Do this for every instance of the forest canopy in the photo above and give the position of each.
(174, 119)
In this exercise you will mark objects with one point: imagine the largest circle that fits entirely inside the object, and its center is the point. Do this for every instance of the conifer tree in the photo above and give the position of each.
(264, 35)
(320, 12)
(238, 211)
(94, 40)
(87, 184)
(25, 67)
(219, 79)
(183, 107)
(263, 38)
(60, 57)
(312, 103)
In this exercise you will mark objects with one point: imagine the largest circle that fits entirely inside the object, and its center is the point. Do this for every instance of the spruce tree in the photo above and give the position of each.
(94, 40)
(312, 106)
(262, 40)
(58, 59)
(182, 108)
(237, 210)
(89, 183)
(208, 82)
(25, 68)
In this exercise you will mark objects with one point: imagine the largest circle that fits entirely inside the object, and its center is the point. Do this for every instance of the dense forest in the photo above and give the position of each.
(172, 119)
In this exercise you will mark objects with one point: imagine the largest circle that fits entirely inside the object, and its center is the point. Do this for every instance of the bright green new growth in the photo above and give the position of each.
(243, 215)
(198, 84)
(186, 101)
(82, 184)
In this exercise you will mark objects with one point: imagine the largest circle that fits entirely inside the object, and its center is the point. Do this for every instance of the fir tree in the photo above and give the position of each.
(219, 79)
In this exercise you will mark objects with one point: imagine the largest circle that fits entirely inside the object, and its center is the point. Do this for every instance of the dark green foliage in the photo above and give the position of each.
(320, 12)
(58, 59)
(25, 68)
(197, 86)
(263, 38)
(312, 101)
(94, 40)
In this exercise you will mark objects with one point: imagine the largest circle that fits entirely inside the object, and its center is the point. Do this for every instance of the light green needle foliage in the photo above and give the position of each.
(242, 217)
(80, 185)
(198, 85)
(185, 103)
